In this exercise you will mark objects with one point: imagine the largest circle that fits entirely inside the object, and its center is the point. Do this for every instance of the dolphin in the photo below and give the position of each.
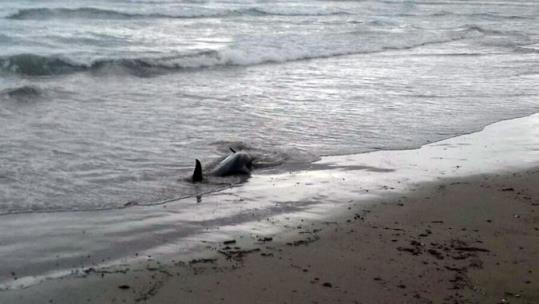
(237, 163)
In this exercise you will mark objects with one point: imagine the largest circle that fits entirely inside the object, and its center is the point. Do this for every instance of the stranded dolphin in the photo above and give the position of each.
(237, 163)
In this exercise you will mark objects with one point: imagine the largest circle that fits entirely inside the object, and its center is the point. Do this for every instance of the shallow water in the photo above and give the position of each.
(108, 102)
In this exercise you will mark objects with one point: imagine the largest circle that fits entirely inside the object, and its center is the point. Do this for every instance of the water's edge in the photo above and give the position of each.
(42, 246)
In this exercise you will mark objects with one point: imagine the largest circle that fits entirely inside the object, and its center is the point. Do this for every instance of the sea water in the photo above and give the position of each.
(103, 103)
(106, 104)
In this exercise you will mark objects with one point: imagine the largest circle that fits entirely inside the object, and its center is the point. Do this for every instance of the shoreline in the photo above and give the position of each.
(444, 243)
(267, 209)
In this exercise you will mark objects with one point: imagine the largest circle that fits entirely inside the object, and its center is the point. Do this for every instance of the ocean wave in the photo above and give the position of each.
(498, 16)
(487, 31)
(292, 48)
(5, 38)
(36, 65)
(96, 13)
(528, 49)
(25, 91)
(474, 15)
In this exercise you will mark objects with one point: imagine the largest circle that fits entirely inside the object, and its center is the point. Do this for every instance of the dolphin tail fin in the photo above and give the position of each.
(197, 174)
(231, 149)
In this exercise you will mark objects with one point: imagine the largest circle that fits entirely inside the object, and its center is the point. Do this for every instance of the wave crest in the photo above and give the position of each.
(253, 52)
(96, 13)
(36, 65)
(491, 16)
(26, 91)
(486, 31)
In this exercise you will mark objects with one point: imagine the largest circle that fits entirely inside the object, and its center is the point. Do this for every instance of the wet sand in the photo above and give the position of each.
(467, 240)
(473, 240)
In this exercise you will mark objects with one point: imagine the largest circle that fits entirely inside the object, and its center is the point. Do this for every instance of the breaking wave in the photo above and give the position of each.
(96, 13)
(486, 31)
(474, 15)
(36, 65)
(26, 91)
(297, 48)
(5, 38)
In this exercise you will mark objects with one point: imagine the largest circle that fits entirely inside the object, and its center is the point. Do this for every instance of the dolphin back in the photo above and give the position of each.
(237, 163)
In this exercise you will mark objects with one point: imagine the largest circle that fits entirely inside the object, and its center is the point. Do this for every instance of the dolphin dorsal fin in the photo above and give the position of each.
(233, 151)
(197, 174)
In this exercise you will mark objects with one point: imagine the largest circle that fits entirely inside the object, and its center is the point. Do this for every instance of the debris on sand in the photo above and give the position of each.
(202, 261)
(236, 254)
(265, 239)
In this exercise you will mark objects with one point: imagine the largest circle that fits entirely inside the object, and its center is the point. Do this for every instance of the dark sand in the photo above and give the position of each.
(466, 240)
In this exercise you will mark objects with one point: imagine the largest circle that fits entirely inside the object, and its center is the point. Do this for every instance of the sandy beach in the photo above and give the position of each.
(465, 241)
(473, 240)
(429, 231)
